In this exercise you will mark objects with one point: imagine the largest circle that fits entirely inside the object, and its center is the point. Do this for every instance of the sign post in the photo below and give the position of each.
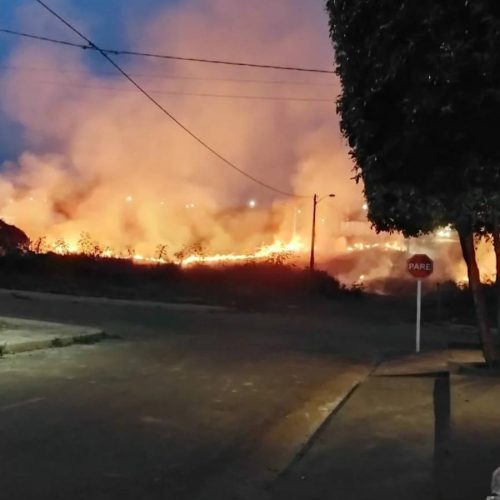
(419, 307)
(419, 266)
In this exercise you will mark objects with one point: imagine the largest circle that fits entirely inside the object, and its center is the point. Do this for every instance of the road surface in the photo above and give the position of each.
(185, 404)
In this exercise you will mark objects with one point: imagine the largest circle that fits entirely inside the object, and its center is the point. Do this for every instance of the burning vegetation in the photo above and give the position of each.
(358, 262)
(105, 175)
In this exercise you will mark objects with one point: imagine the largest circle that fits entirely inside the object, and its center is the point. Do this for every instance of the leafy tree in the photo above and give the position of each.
(12, 239)
(419, 104)
(488, 226)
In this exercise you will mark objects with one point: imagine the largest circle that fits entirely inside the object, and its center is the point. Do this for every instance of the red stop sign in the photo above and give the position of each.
(420, 265)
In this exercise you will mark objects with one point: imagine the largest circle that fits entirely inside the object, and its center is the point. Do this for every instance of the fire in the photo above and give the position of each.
(281, 250)
(278, 248)
(358, 247)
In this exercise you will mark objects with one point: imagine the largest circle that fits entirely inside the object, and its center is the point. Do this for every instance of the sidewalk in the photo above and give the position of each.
(379, 446)
(423, 426)
(21, 335)
(474, 444)
(428, 363)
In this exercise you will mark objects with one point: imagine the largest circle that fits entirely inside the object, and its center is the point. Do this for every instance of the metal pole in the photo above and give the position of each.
(419, 304)
(313, 235)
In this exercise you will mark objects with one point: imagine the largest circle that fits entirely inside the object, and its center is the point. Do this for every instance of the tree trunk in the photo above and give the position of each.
(496, 245)
(469, 252)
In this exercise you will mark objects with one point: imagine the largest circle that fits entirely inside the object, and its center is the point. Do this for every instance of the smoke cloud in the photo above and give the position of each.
(107, 162)
(101, 159)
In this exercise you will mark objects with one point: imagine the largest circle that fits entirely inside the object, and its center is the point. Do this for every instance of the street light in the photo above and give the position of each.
(316, 200)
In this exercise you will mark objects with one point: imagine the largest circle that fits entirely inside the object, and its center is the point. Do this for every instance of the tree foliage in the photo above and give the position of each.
(419, 106)
(12, 239)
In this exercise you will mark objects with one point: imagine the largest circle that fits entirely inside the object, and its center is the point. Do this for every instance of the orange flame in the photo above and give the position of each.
(276, 249)
(295, 246)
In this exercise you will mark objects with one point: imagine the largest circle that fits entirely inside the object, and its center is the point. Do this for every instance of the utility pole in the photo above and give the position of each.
(316, 200)
(313, 235)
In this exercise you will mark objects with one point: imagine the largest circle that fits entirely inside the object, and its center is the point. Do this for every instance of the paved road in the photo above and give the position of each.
(179, 403)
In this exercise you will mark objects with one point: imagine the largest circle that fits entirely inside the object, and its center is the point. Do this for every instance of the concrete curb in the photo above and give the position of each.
(284, 443)
(410, 364)
(35, 345)
(22, 335)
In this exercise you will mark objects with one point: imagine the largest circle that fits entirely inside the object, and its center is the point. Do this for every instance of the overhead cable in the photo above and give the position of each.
(118, 52)
(165, 111)
(113, 88)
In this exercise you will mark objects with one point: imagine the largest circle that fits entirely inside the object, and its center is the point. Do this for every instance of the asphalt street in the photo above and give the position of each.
(183, 403)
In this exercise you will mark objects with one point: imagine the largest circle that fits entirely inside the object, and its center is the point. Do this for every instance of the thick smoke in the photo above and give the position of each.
(109, 163)
(101, 159)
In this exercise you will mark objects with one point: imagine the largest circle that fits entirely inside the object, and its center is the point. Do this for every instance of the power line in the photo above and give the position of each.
(174, 76)
(172, 92)
(164, 110)
(117, 52)
(43, 38)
